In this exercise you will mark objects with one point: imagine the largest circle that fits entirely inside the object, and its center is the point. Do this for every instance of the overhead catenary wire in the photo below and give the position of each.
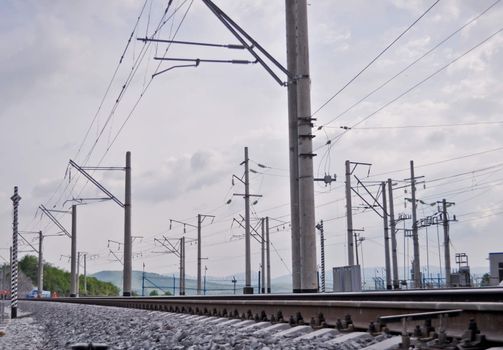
(464, 156)
(374, 59)
(125, 86)
(413, 87)
(445, 125)
(146, 87)
(217, 208)
(473, 20)
(132, 72)
(128, 82)
(102, 101)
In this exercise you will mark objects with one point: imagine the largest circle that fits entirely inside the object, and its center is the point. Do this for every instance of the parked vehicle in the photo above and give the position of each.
(34, 294)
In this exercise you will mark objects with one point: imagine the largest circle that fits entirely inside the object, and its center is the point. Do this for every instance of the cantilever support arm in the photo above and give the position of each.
(237, 31)
(96, 183)
(253, 228)
(370, 194)
(54, 220)
(366, 202)
(170, 247)
(31, 245)
(116, 257)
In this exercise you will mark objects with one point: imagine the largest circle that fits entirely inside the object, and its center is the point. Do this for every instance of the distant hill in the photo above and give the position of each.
(223, 285)
(57, 280)
(170, 283)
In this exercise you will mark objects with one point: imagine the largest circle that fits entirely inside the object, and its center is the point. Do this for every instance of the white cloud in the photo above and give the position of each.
(178, 175)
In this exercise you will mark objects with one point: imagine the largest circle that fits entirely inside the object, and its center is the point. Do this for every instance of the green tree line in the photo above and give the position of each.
(57, 280)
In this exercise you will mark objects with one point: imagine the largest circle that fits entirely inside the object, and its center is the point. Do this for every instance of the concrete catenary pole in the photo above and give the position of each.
(2, 278)
(308, 274)
(247, 289)
(78, 273)
(394, 256)
(14, 267)
(85, 273)
(268, 255)
(386, 237)
(262, 250)
(40, 272)
(349, 215)
(73, 254)
(128, 248)
(447, 251)
(199, 281)
(293, 136)
(416, 265)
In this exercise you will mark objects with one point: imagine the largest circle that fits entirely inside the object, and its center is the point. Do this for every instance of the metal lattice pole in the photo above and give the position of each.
(13, 277)
(322, 249)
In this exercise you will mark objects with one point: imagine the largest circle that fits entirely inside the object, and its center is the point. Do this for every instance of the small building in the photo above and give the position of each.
(347, 279)
(496, 268)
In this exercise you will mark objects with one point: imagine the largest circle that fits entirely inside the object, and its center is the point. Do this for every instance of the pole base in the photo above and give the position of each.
(73, 295)
(247, 290)
(308, 291)
(13, 312)
(126, 294)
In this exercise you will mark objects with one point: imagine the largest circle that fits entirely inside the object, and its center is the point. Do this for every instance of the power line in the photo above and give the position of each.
(132, 72)
(123, 90)
(495, 166)
(107, 90)
(374, 59)
(146, 87)
(447, 125)
(128, 82)
(412, 64)
(413, 87)
(442, 161)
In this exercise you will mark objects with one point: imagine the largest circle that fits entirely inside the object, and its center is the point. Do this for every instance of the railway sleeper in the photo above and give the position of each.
(430, 334)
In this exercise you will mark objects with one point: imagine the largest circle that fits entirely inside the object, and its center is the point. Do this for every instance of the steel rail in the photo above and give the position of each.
(319, 311)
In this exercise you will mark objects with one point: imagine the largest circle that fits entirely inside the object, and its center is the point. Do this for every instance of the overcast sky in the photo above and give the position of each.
(188, 131)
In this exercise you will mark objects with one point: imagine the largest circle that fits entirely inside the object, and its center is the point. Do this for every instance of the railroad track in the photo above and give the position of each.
(456, 313)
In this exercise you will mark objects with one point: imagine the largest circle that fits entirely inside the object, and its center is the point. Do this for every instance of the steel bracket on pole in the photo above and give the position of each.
(307, 155)
(96, 183)
(241, 35)
(54, 220)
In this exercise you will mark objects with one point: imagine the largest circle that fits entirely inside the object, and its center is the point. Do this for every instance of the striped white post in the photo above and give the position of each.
(13, 268)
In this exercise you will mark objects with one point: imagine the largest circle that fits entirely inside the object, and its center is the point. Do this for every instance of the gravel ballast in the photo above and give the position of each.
(50, 325)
